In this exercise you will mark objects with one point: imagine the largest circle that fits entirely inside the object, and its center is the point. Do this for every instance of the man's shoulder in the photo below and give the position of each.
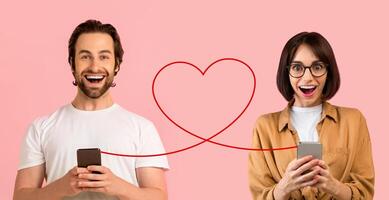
(133, 117)
(45, 120)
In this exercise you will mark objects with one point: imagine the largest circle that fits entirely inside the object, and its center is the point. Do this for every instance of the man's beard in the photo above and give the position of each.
(95, 93)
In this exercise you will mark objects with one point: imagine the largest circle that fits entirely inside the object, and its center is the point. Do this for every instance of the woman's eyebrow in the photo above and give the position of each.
(297, 61)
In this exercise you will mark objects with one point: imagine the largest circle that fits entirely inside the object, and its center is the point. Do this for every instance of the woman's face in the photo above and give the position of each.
(307, 88)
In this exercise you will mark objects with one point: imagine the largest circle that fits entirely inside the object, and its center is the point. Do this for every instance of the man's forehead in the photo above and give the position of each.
(93, 42)
(81, 51)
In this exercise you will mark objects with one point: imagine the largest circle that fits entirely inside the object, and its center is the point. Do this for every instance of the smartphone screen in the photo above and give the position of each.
(309, 148)
(86, 157)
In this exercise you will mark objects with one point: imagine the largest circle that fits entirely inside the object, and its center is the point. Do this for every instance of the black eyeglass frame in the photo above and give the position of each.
(308, 67)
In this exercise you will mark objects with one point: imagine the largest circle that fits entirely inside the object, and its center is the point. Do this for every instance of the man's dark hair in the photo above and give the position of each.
(95, 26)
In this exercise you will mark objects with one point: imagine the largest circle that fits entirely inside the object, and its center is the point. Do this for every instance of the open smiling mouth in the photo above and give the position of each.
(94, 78)
(307, 89)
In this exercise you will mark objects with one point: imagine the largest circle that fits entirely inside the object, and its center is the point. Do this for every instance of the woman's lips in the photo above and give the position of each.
(307, 91)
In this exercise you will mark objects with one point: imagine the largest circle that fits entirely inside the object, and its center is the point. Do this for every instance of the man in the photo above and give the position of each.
(92, 120)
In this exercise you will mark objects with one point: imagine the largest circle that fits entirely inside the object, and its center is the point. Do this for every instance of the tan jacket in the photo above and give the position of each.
(346, 150)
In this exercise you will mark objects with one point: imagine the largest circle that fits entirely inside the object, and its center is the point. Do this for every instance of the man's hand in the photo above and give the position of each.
(69, 183)
(29, 182)
(151, 183)
(106, 182)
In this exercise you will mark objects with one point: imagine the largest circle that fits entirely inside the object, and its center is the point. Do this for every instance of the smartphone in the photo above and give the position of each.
(86, 157)
(309, 148)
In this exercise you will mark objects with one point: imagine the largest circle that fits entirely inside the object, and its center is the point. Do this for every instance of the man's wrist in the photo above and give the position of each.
(124, 189)
(53, 191)
(59, 189)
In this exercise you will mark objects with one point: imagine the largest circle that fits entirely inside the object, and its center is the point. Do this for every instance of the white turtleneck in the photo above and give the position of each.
(304, 120)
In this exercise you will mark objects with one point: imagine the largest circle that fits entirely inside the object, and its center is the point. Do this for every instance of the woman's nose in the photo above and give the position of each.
(307, 74)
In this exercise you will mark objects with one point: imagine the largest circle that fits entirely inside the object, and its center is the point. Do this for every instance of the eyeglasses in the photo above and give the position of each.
(297, 69)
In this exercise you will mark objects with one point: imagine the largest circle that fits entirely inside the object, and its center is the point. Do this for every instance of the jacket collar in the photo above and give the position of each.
(329, 111)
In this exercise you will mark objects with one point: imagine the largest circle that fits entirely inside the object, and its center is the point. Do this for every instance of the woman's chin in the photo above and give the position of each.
(303, 101)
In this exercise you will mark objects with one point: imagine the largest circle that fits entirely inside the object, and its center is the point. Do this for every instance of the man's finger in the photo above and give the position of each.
(73, 171)
(92, 189)
(97, 168)
(91, 176)
(82, 170)
(92, 184)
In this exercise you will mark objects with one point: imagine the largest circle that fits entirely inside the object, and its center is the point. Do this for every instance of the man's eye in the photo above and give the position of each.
(104, 57)
(85, 57)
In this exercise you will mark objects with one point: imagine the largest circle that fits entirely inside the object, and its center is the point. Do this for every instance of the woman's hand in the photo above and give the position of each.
(328, 184)
(295, 178)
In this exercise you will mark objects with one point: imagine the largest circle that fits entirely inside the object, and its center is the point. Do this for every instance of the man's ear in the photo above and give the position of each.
(117, 69)
(71, 64)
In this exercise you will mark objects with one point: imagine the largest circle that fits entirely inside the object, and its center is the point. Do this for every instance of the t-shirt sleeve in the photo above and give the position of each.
(150, 144)
(31, 153)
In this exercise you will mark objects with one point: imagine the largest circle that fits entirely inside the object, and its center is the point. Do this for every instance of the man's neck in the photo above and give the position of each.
(83, 102)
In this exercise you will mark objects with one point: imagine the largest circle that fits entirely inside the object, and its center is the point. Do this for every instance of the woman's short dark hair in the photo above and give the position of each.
(322, 49)
(92, 26)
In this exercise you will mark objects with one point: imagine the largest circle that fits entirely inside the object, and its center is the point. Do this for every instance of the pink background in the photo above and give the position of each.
(35, 77)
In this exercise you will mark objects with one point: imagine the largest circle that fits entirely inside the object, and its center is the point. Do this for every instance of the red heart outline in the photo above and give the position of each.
(203, 73)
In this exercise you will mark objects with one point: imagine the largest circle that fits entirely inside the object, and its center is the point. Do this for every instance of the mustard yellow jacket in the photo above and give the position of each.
(346, 150)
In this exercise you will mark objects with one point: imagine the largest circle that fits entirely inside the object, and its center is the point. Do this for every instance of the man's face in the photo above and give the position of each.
(94, 63)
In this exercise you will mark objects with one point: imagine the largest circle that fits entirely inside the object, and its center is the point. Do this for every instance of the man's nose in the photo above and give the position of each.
(94, 63)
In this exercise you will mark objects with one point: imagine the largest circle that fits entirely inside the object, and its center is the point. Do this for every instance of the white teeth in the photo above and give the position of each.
(307, 86)
(94, 76)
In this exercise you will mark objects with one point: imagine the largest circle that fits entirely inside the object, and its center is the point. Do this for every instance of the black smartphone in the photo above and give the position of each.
(309, 148)
(86, 157)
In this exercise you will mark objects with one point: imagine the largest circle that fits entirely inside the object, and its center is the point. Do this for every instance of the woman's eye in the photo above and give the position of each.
(297, 67)
(318, 66)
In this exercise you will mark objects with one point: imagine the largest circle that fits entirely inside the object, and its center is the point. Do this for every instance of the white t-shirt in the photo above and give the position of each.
(54, 140)
(304, 120)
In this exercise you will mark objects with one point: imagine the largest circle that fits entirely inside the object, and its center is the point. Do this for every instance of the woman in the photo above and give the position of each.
(307, 77)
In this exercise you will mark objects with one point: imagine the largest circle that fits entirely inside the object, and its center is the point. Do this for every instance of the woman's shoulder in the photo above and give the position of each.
(347, 110)
(347, 113)
(269, 116)
(272, 118)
